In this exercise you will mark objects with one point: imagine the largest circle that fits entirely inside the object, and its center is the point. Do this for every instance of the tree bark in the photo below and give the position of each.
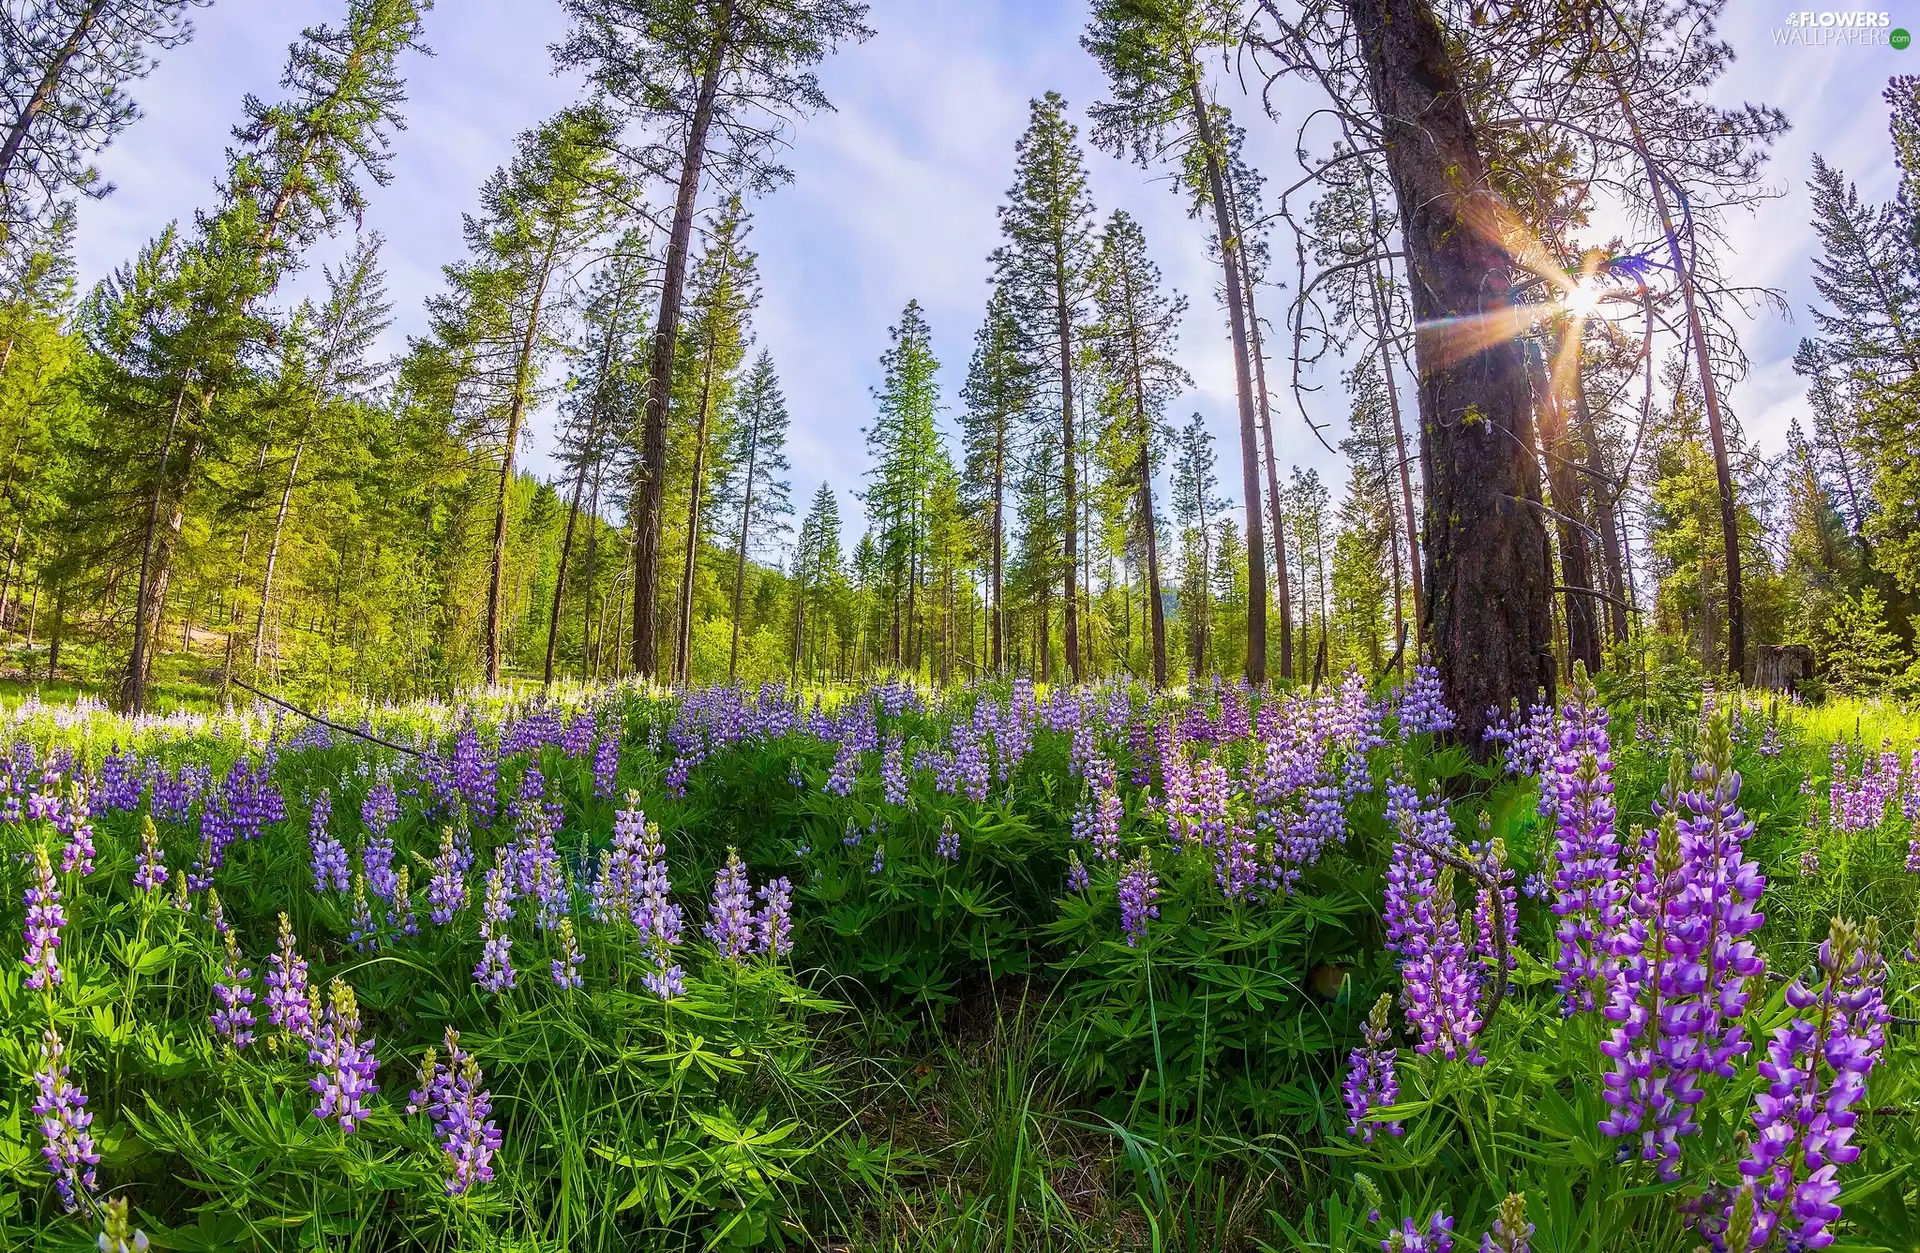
(133, 684)
(683, 631)
(1237, 323)
(1272, 460)
(516, 412)
(651, 493)
(1399, 452)
(1556, 452)
(1063, 319)
(1601, 482)
(1487, 572)
(740, 559)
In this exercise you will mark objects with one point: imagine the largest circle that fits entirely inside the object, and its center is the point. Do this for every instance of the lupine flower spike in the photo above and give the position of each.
(1435, 1237)
(45, 918)
(1371, 1081)
(288, 992)
(64, 1118)
(346, 1064)
(460, 1109)
(1139, 891)
(150, 866)
(566, 967)
(117, 1233)
(1511, 1232)
(232, 1017)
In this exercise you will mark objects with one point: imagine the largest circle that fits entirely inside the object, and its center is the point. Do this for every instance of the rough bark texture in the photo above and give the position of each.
(1557, 452)
(1488, 580)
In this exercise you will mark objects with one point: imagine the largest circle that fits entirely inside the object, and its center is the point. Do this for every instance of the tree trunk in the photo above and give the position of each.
(1556, 449)
(1709, 391)
(1399, 452)
(48, 84)
(651, 490)
(560, 573)
(1237, 323)
(1273, 466)
(1064, 330)
(683, 630)
(273, 552)
(59, 629)
(133, 684)
(1488, 580)
(740, 560)
(999, 546)
(516, 412)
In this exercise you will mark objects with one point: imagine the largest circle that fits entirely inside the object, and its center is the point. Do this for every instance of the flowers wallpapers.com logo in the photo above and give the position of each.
(1837, 27)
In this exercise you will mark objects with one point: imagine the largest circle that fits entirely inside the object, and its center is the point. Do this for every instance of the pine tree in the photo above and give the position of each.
(1194, 504)
(816, 568)
(753, 488)
(1150, 51)
(64, 72)
(1045, 269)
(1134, 333)
(907, 456)
(998, 395)
(713, 89)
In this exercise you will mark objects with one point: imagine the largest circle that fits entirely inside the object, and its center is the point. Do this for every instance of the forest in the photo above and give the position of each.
(462, 789)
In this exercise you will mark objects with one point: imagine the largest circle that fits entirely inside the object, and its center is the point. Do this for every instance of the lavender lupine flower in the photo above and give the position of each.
(1816, 1067)
(447, 890)
(730, 920)
(565, 968)
(64, 1118)
(1511, 1232)
(150, 864)
(773, 924)
(232, 1017)
(1587, 886)
(400, 919)
(1716, 914)
(75, 821)
(117, 1232)
(495, 971)
(331, 872)
(1077, 878)
(1371, 1081)
(289, 994)
(381, 808)
(1423, 704)
(1491, 856)
(1435, 1237)
(1441, 981)
(362, 932)
(1104, 829)
(346, 1065)
(947, 847)
(879, 865)
(1139, 890)
(1640, 1084)
(606, 764)
(45, 917)
(376, 863)
(461, 1112)
(893, 770)
(846, 766)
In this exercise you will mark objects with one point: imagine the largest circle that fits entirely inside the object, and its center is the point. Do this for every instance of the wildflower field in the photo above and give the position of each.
(1088, 969)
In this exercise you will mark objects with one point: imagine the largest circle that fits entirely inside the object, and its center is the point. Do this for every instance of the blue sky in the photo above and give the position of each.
(894, 193)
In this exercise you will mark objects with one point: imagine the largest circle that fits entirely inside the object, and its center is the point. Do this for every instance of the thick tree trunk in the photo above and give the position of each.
(1243, 381)
(1488, 580)
(651, 489)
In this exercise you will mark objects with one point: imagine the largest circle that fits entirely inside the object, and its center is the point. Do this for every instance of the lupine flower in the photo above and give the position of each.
(495, 971)
(606, 764)
(117, 1232)
(730, 919)
(1491, 856)
(1587, 880)
(893, 770)
(362, 931)
(232, 1018)
(330, 868)
(289, 994)
(1423, 704)
(400, 919)
(376, 862)
(460, 1109)
(1371, 1081)
(381, 808)
(1138, 891)
(150, 865)
(1816, 1067)
(64, 1118)
(879, 865)
(773, 923)
(75, 821)
(1077, 878)
(1511, 1232)
(655, 916)
(346, 1065)
(45, 918)
(1441, 984)
(566, 967)
(948, 846)
(1810, 861)
(1436, 1237)
(846, 765)
(447, 890)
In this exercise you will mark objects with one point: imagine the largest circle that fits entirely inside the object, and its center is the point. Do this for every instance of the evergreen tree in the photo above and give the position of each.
(816, 571)
(1194, 504)
(753, 488)
(713, 89)
(1134, 333)
(998, 395)
(908, 458)
(1045, 269)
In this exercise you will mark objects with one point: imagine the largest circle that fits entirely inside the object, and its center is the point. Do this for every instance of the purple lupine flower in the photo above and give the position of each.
(1491, 856)
(578, 737)
(150, 864)
(45, 917)
(1639, 1085)
(117, 1232)
(447, 890)
(947, 847)
(461, 1111)
(376, 863)
(400, 918)
(606, 764)
(1441, 982)
(331, 872)
(362, 931)
(495, 971)
(381, 808)
(1435, 1237)
(618, 882)
(846, 766)
(879, 865)
(1588, 891)
(1371, 1081)
(232, 1017)
(1816, 1067)
(657, 918)
(1511, 1232)
(475, 776)
(1716, 916)
(120, 782)
(75, 821)
(64, 1118)
(346, 1066)
(1139, 890)
(893, 770)
(1077, 877)
(773, 924)
(565, 968)
(289, 994)
(1422, 706)
(730, 919)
